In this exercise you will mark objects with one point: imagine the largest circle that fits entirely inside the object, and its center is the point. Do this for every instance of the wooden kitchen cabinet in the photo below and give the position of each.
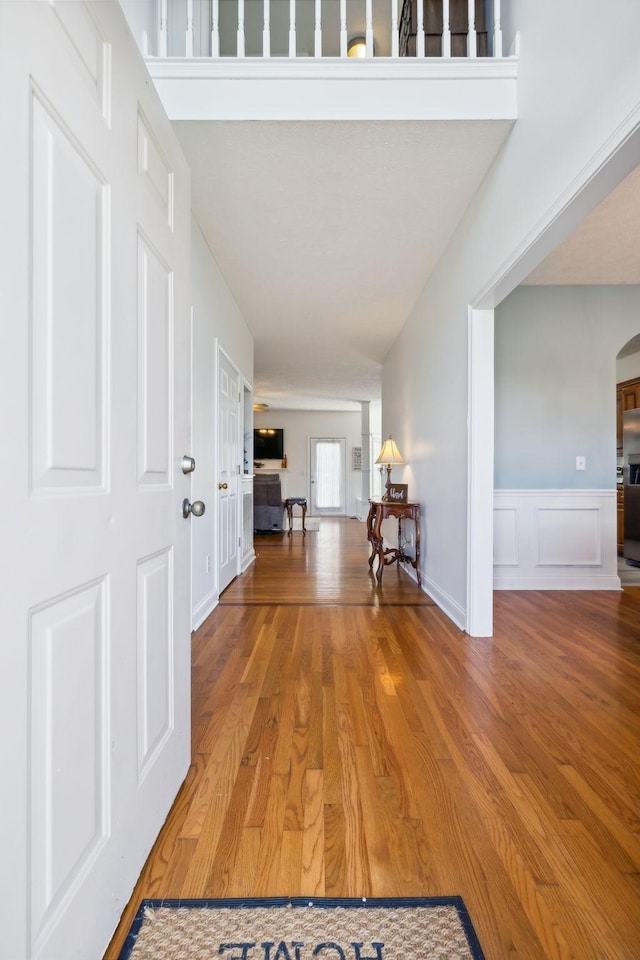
(627, 398)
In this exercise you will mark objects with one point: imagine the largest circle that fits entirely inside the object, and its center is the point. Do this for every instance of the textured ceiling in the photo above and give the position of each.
(326, 233)
(604, 248)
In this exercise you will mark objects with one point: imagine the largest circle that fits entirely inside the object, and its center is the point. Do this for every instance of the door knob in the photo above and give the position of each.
(188, 464)
(222, 486)
(197, 508)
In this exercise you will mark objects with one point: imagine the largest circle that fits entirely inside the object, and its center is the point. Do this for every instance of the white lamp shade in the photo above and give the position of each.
(390, 453)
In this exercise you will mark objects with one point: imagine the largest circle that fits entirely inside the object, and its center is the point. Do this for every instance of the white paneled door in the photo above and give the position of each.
(229, 393)
(94, 386)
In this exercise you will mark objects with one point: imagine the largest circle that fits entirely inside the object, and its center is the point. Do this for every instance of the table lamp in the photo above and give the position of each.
(390, 456)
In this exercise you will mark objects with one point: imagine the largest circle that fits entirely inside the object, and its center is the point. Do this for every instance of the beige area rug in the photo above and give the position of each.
(280, 929)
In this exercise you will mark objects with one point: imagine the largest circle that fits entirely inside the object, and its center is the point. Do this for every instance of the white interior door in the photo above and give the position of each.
(229, 461)
(94, 660)
(327, 476)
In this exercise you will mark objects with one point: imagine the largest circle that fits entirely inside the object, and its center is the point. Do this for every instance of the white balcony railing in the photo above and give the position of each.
(267, 29)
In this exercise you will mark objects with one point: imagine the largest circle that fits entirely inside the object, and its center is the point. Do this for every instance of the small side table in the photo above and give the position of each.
(380, 510)
(289, 504)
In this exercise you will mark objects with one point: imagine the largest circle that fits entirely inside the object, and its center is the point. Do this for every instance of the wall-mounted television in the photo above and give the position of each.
(268, 443)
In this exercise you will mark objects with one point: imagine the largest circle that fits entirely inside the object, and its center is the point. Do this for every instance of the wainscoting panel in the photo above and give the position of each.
(555, 540)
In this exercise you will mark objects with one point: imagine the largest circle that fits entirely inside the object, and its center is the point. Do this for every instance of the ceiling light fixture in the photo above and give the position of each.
(357, 47)
(260, 407)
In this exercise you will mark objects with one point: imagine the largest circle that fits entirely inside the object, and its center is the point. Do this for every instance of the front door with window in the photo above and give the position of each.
(328, 476)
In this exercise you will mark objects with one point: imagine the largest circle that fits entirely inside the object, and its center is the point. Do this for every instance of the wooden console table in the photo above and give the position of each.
(380, 510)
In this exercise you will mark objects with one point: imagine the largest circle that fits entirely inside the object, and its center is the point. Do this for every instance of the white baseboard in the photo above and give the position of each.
(558, 583)
(247, 561)
(447, 604)
(440, 597)
(203, 609)
(555, 540)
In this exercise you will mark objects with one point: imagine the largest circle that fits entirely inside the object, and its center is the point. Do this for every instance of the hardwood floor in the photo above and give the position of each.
(350, 741)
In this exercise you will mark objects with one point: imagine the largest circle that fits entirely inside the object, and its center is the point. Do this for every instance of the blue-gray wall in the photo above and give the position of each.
(555, 377)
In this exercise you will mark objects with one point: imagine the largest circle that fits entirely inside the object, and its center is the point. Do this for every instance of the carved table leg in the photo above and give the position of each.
(370, 519)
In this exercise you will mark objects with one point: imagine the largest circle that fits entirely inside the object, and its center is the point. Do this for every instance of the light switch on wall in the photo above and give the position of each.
(581, 463)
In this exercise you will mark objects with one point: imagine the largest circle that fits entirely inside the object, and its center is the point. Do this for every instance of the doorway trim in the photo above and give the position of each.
(314, 511)
(614, 161)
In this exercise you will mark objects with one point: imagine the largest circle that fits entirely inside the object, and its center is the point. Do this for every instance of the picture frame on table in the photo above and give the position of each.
(397, 493)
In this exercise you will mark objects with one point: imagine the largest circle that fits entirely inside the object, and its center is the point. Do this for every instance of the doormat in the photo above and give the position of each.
(414, 928)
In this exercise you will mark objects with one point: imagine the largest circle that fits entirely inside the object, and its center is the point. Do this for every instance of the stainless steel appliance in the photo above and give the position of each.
(631, 478)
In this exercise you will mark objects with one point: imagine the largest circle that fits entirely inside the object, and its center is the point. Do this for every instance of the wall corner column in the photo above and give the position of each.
(479, 614)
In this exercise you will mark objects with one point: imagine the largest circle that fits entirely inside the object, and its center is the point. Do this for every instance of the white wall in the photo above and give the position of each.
(142, 17)
(555, 384)
(216, 317)
(628, 368)
(578, 99)
(299, 427)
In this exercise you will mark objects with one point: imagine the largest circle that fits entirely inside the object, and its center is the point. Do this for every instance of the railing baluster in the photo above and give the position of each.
(162, 39)
(395, 40)
(292, 28)
(420, 31)
(446, 30)
(215, 29)
(317, 39)
(188, 45)
(472, 49)
(266, 29)
(494, 29)
(240, 40)
(497, 30)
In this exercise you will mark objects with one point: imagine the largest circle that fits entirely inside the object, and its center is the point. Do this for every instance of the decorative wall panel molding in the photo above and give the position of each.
(568, 536)
(69, 309)
(555, 540)
(68, 747)
(505, 536)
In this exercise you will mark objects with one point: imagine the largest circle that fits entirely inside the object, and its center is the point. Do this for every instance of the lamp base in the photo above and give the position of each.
(385, 496)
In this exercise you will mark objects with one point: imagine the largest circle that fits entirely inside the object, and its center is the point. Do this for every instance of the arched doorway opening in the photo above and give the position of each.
(628, 461)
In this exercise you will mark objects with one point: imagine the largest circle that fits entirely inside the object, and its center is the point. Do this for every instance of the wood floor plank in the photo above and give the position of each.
(350, 740)
(312, 880)
(242, 880)
(270, 850)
